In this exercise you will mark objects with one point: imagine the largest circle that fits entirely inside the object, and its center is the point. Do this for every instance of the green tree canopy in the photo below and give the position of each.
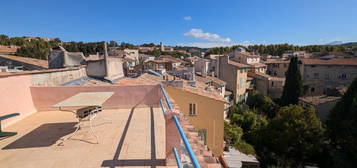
(293, 87)
(292, 139)
(262, 104)
(342, 128)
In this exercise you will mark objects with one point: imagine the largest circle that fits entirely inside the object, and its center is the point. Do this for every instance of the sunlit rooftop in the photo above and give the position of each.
(134, 137)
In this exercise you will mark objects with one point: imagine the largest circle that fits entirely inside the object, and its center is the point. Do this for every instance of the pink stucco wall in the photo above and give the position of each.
(124, 96)
(15, 97)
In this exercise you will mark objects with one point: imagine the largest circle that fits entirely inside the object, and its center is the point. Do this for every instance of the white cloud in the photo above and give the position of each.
(199, 34)
(206, 44)
(188, 18)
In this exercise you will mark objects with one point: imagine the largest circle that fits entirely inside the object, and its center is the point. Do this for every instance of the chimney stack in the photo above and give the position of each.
(106, 60)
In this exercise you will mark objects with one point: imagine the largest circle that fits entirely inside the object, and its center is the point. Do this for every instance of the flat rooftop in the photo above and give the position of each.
(134, 138)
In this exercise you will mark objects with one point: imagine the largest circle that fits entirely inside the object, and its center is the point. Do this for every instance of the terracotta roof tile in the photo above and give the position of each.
(33, 61)
(237, 64)
(337, 61)
(148, 79)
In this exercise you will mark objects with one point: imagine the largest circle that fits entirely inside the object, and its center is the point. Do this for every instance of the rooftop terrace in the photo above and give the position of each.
(147, 129)
(136, 137)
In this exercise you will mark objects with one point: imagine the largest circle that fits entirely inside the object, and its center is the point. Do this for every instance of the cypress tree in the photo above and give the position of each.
(293, 87)
(342, 129)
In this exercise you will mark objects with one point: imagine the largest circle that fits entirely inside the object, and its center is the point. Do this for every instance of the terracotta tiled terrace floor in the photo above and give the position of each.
(135, 138)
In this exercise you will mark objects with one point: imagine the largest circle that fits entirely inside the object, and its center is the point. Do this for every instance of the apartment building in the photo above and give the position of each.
(277, 67)
(235, 75)
(202, 66)
(299, 54)
(249, 59)
(322, 74)
(322, 104)
(269, 85)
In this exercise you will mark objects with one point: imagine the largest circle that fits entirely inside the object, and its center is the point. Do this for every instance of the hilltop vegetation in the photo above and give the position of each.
(279, 49)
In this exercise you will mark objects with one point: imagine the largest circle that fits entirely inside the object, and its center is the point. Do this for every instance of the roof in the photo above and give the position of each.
(7, 74)
(237, 64)
(227, 93)
(158, 61)
(270, 77)
(316, 100)
(144, 79)
(235, 158)
(337, 61)
(85, 81)
(257, 65)
(276, 61)
(194, 58)
(8, 49)
(75, 54)
(247, 54)
(200, 88)
(27, 60)
(203, 59)
(208, 79)
(170, 59)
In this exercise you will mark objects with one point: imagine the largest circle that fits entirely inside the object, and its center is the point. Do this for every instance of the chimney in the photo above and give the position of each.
(106, 66)
(162, 48)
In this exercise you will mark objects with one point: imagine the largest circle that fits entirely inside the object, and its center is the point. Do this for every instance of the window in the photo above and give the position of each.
(192, 109)
(272, 83)
(202, 133)
(343, 76)
(241, 83)
(312, 90)
(316, 75)
(327, 76)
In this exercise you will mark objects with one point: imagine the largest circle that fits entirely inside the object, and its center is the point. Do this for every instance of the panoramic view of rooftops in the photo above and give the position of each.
(179, 83)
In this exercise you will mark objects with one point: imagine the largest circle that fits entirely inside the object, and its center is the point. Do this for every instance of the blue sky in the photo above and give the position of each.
(204, 23)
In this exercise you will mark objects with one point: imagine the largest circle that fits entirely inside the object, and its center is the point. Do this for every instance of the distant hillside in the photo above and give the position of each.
(335, 43)
(350, 44)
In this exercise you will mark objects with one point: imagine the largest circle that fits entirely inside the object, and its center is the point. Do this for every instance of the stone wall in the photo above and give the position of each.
(58, 77)
(327, 76)
(56, 59)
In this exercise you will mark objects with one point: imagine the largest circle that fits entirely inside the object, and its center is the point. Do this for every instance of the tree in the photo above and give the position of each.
(292, 139)
(232, 137)
(342, 128)
(293, 87)
(263, 104)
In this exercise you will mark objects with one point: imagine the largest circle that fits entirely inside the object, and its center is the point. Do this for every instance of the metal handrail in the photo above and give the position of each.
(178, 160)
(182, 133)
(186, 143)
(162, 107)
(166, 98)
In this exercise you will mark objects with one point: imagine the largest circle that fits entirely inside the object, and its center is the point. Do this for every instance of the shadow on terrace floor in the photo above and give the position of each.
(43, 136)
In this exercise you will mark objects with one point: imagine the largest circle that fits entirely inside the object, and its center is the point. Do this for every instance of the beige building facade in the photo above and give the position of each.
(235, 75)
(319, 75)
(208, 116)
(277, 67)
(269, 85)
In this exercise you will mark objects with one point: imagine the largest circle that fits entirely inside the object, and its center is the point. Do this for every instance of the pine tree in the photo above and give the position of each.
(342, 128)
(293, 88)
